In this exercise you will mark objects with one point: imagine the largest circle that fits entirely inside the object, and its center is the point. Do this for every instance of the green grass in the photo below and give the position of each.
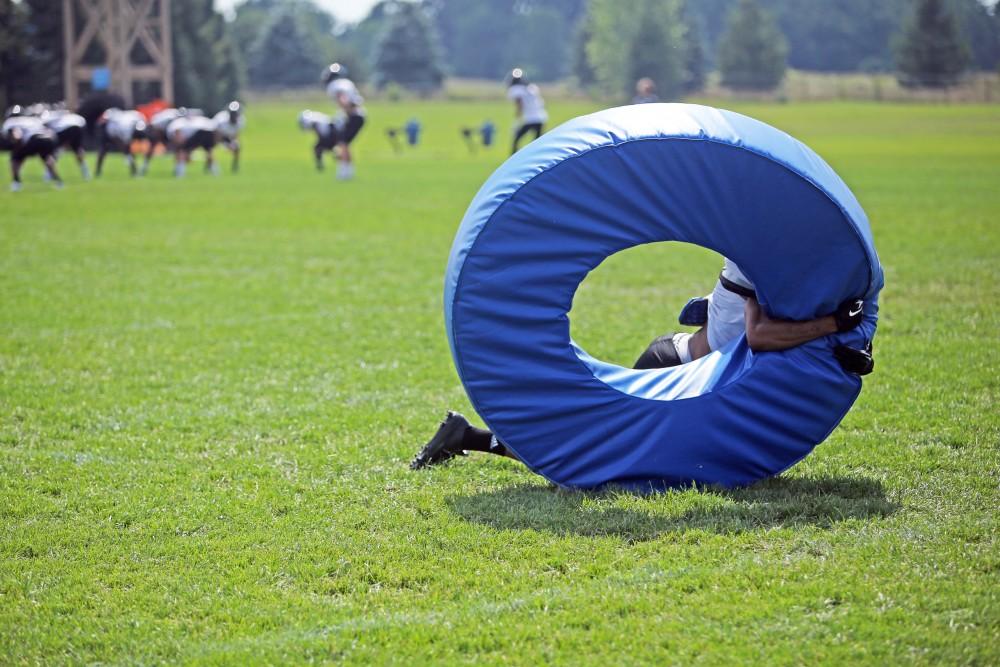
(210, 390)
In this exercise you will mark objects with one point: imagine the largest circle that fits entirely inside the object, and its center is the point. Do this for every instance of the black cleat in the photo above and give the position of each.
(446, 443)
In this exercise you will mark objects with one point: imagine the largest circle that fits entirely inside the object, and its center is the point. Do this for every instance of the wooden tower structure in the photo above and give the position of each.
(131, 36)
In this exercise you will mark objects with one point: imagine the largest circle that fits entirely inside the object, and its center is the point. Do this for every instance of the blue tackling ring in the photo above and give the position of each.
(623, 177)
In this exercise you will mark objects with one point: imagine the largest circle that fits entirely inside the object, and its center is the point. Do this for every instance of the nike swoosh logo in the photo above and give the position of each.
(855, 312)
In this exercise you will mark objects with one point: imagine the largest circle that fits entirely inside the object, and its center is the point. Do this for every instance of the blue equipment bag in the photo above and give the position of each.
(412, 129)
(641, 174)
(486, 132)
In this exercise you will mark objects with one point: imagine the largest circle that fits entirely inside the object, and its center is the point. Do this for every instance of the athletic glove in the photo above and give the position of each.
(849, 314)
(859, 362)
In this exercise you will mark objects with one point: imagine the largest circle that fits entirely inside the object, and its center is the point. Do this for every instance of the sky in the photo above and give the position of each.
(346, 11)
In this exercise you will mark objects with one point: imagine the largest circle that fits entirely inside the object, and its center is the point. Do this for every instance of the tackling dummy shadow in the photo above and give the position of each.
(774, 503)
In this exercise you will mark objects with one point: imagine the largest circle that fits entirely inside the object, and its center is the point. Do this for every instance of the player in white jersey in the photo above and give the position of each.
(157, 132)
(117, 130)
(730, 310)
(228, 124)
(326, 133)
(529, 106)
(347, 97)
(28, 136)
(69, 128)
(187, 134)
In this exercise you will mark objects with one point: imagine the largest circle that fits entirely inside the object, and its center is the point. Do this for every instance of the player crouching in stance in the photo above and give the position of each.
(187, 134)
(347, 97)
(117, 131)
(68, 128)
(28, 136)
(157, 131)
(228, 124)
(326, 133)
(729, 311)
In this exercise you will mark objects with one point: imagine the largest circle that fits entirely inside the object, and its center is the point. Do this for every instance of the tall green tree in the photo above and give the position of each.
(979, 29)
(284, 55)
(931, 52)
(207, 69)
(752, 51)
(407, 53)
(314, 28)
(645, 57)
(476, 36)
(849, 35)
(487, 39)
(694, 50)
(646, 41)
(45, 38)
(14, 63)
(581, 68)
(360, 41)
(31, 56)
(540, 41)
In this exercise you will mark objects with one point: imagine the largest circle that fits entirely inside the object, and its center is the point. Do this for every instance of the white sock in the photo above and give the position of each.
(85, 170)
(681, 344)
(179, 169)
(15, 186)
(345, 171)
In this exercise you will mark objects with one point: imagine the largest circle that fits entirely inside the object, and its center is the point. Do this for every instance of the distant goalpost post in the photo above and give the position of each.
(132, 35)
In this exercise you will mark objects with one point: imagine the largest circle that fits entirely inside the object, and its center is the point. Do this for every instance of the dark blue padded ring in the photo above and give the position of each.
(641, 174)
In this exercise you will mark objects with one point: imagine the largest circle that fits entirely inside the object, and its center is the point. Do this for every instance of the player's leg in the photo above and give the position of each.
(345, 169)
(234, 146)
(74, 141)
(318, 152)
(210, 166)
(455, 437)
(521, 131)
(130, 157)
(180, 161)
(102, 151)
(15, 172)
(206, 141)
(154, 140)
(49, 160)
(345, 166)
(81, 159)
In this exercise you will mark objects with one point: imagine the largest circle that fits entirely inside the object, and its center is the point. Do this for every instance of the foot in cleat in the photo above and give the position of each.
(446, 443)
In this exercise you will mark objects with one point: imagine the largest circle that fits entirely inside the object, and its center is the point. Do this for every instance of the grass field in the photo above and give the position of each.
(210, 390)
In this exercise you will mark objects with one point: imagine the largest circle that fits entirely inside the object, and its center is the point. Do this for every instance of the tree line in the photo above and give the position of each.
(610, 44)
(286, 43)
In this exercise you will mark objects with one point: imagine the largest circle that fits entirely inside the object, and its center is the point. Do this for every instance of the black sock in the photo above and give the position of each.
(476, 439)
(480, 440)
